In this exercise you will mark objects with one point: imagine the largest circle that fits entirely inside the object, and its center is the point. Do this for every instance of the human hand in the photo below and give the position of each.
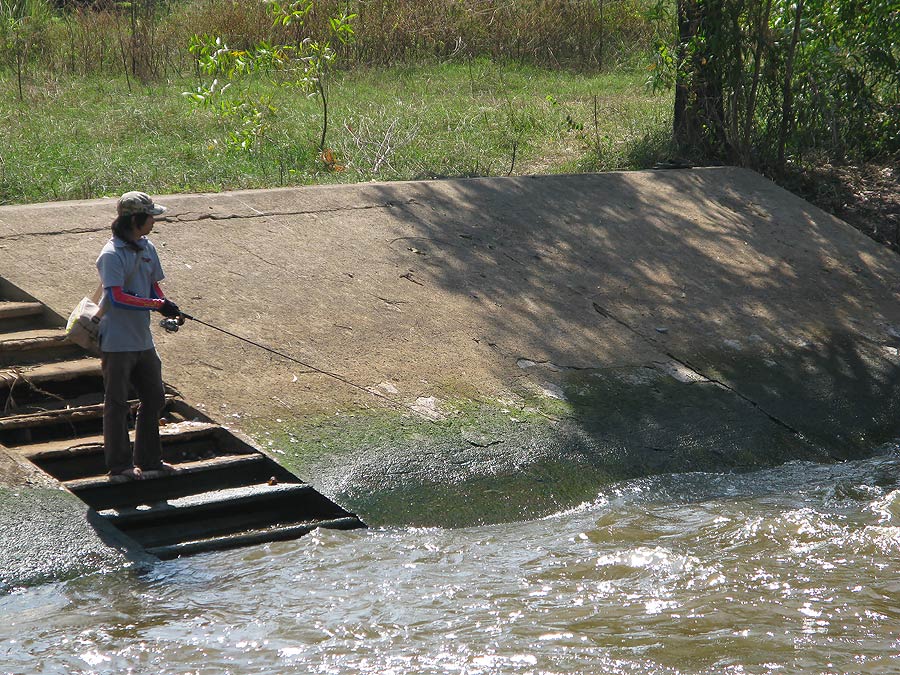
(169, 309)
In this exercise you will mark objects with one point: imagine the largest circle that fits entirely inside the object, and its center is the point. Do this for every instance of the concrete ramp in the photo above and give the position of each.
(567, 330)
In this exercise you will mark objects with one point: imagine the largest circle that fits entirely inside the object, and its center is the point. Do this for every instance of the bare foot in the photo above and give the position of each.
(133, 473)
(164, 469)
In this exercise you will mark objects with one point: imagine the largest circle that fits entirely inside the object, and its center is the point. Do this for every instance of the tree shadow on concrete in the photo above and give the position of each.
(696, 319)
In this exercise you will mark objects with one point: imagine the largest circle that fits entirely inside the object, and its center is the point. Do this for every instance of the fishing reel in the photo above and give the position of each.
(172, 324)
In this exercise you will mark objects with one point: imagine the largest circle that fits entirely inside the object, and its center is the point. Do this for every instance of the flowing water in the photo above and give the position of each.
(787, 570)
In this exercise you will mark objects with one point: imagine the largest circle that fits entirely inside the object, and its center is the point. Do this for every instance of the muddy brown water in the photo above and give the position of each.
(786, 570)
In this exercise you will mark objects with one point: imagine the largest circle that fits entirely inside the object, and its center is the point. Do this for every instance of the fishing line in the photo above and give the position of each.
(339, 378)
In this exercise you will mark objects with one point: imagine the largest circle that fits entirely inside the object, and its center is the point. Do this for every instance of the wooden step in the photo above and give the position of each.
(60, 448)
(50, 372)
(66, 447)
(217, 473)
(51, 416)
(252, 537)
(61, 415)
(38, 407)
(85, 457)
(41, 338)
(38, 345)
(155, 479)
(206, 503)
(15, 310)
(224, 512)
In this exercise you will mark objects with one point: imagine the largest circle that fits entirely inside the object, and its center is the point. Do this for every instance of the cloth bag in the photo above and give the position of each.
(83, 327)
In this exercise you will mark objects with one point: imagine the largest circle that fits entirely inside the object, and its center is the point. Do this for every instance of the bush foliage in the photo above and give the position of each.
(762, 81)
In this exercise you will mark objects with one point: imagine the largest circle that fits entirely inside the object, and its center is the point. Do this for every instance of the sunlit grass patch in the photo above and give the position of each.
(80, 138)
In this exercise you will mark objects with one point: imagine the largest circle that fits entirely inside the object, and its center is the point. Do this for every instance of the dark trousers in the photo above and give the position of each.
(143, 372)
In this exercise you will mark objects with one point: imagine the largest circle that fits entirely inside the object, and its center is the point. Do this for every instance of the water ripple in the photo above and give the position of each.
(783, 570)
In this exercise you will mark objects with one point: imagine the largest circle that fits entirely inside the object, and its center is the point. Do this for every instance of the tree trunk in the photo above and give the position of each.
(750, 113)
(684, 130)
(788, 95)
(699, 115)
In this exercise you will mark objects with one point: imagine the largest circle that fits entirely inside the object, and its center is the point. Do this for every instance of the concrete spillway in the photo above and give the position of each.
(699, 319)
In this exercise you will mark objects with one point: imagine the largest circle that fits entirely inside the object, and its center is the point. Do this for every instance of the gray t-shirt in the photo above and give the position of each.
(127, 330)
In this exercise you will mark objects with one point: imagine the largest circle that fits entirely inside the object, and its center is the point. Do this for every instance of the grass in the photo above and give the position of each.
(85, 137)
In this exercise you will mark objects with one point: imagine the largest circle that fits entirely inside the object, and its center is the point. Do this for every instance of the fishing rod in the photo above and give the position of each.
(172, 324)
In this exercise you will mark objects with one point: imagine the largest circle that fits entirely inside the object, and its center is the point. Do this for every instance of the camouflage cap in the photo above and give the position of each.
(132, 203)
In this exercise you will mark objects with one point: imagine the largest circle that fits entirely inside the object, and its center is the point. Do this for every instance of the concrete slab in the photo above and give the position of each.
(676, 320)
(48, 534)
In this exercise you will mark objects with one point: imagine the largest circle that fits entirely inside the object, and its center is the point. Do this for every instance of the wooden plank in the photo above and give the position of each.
(51, 372)
(50, 417)
(59, 416)
(12, 310)
(212, 503)
(239, 510)
(184, 469)
(40, 407)
(39, 452)
(213, 475)
(42, 338)
(170, 433)
(253, 537)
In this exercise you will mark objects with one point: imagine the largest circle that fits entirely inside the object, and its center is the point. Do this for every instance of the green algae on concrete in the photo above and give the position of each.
(543, 449)
(473, 465)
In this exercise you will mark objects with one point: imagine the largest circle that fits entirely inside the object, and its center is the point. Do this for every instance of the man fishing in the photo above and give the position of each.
(130, 273)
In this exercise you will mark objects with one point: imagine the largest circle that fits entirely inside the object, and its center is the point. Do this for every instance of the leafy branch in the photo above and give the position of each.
(304, 66)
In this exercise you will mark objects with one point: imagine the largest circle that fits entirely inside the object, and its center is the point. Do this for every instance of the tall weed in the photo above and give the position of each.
(150, 38)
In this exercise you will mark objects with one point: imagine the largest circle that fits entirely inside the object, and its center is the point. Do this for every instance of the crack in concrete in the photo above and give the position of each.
(423, 238)
(391, 303)
(186, 217)
(602, 311)
(525, 363)
(53, 233)
(193, 217)
(260, 258)
(744, 397)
